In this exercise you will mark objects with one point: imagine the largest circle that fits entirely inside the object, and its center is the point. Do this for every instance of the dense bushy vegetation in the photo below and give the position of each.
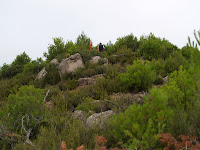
(39, 114)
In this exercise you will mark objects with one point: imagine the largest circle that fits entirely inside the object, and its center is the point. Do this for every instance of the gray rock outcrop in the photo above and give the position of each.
(55, 61)
(78, 114)
(70, 64)
(41, 74)
(95, 60)
(99, 118)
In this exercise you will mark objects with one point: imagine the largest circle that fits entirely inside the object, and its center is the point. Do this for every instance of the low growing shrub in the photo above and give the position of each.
(138, 76)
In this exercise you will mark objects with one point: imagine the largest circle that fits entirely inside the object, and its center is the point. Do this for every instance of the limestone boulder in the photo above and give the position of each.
(165, 79)
(78, 114)
(95, 60)
(70, 64)
(41, 74)
(55, 61)
(99, 118)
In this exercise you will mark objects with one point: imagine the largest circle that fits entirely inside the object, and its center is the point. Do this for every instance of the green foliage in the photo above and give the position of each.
(110, 49)
(54, 49)
(69, 100)
(110, 84)
(48, 139)
(21, 59)
(153, 47)
(87, 105)
(158, 80)
(83, 42)
(138, 76)
(5, 87)
(173, 107)
(8, 71)
(34, 66)
(186, 52)
(71, 47)
(185, 83)
(139, 125)
(197, 38)
(68, 84)
(52, 77)
(121, 103)
(174, 61)
(125, 55)
(129, 41)
(158, 66)
(25, 112)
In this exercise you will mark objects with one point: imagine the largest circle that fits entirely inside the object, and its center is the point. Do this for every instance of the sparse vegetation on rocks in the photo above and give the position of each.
(140, 93)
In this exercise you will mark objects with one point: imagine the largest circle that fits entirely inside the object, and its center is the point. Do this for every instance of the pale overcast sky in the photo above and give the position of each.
(30, 25)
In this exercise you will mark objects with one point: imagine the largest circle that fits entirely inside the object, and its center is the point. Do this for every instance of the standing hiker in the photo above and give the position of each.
(101, 48)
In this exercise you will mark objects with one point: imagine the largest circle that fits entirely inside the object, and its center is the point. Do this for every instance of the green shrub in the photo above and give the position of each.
(174, 61)
(53, 91)
(33, 67)
(100, 69)
(25, 112)
(158, 66)
(88, 73)
(5, 87)
(52, 77)
(138, 76)
(186, 52)
(55, 49)
(139, 126)
(184, 82)
(125, 55)
(51, 141)
(130, 41)
(71, 99)
(69, 84)
(83, 42)
(110, 84)
(121, 103)
(110, 49)
(9, 71)
(87, 54)
(158, 80)
(60, 57)
(153, 47)
(87, 105)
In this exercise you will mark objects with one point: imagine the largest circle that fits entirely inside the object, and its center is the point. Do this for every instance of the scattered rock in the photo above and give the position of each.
(89, 80)
(94, 59)
(165, 79)
(99, 118)
(96, 101)
(78, 114)
(55, 61)
(41, 74)
(70, 64)
(49, 105)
